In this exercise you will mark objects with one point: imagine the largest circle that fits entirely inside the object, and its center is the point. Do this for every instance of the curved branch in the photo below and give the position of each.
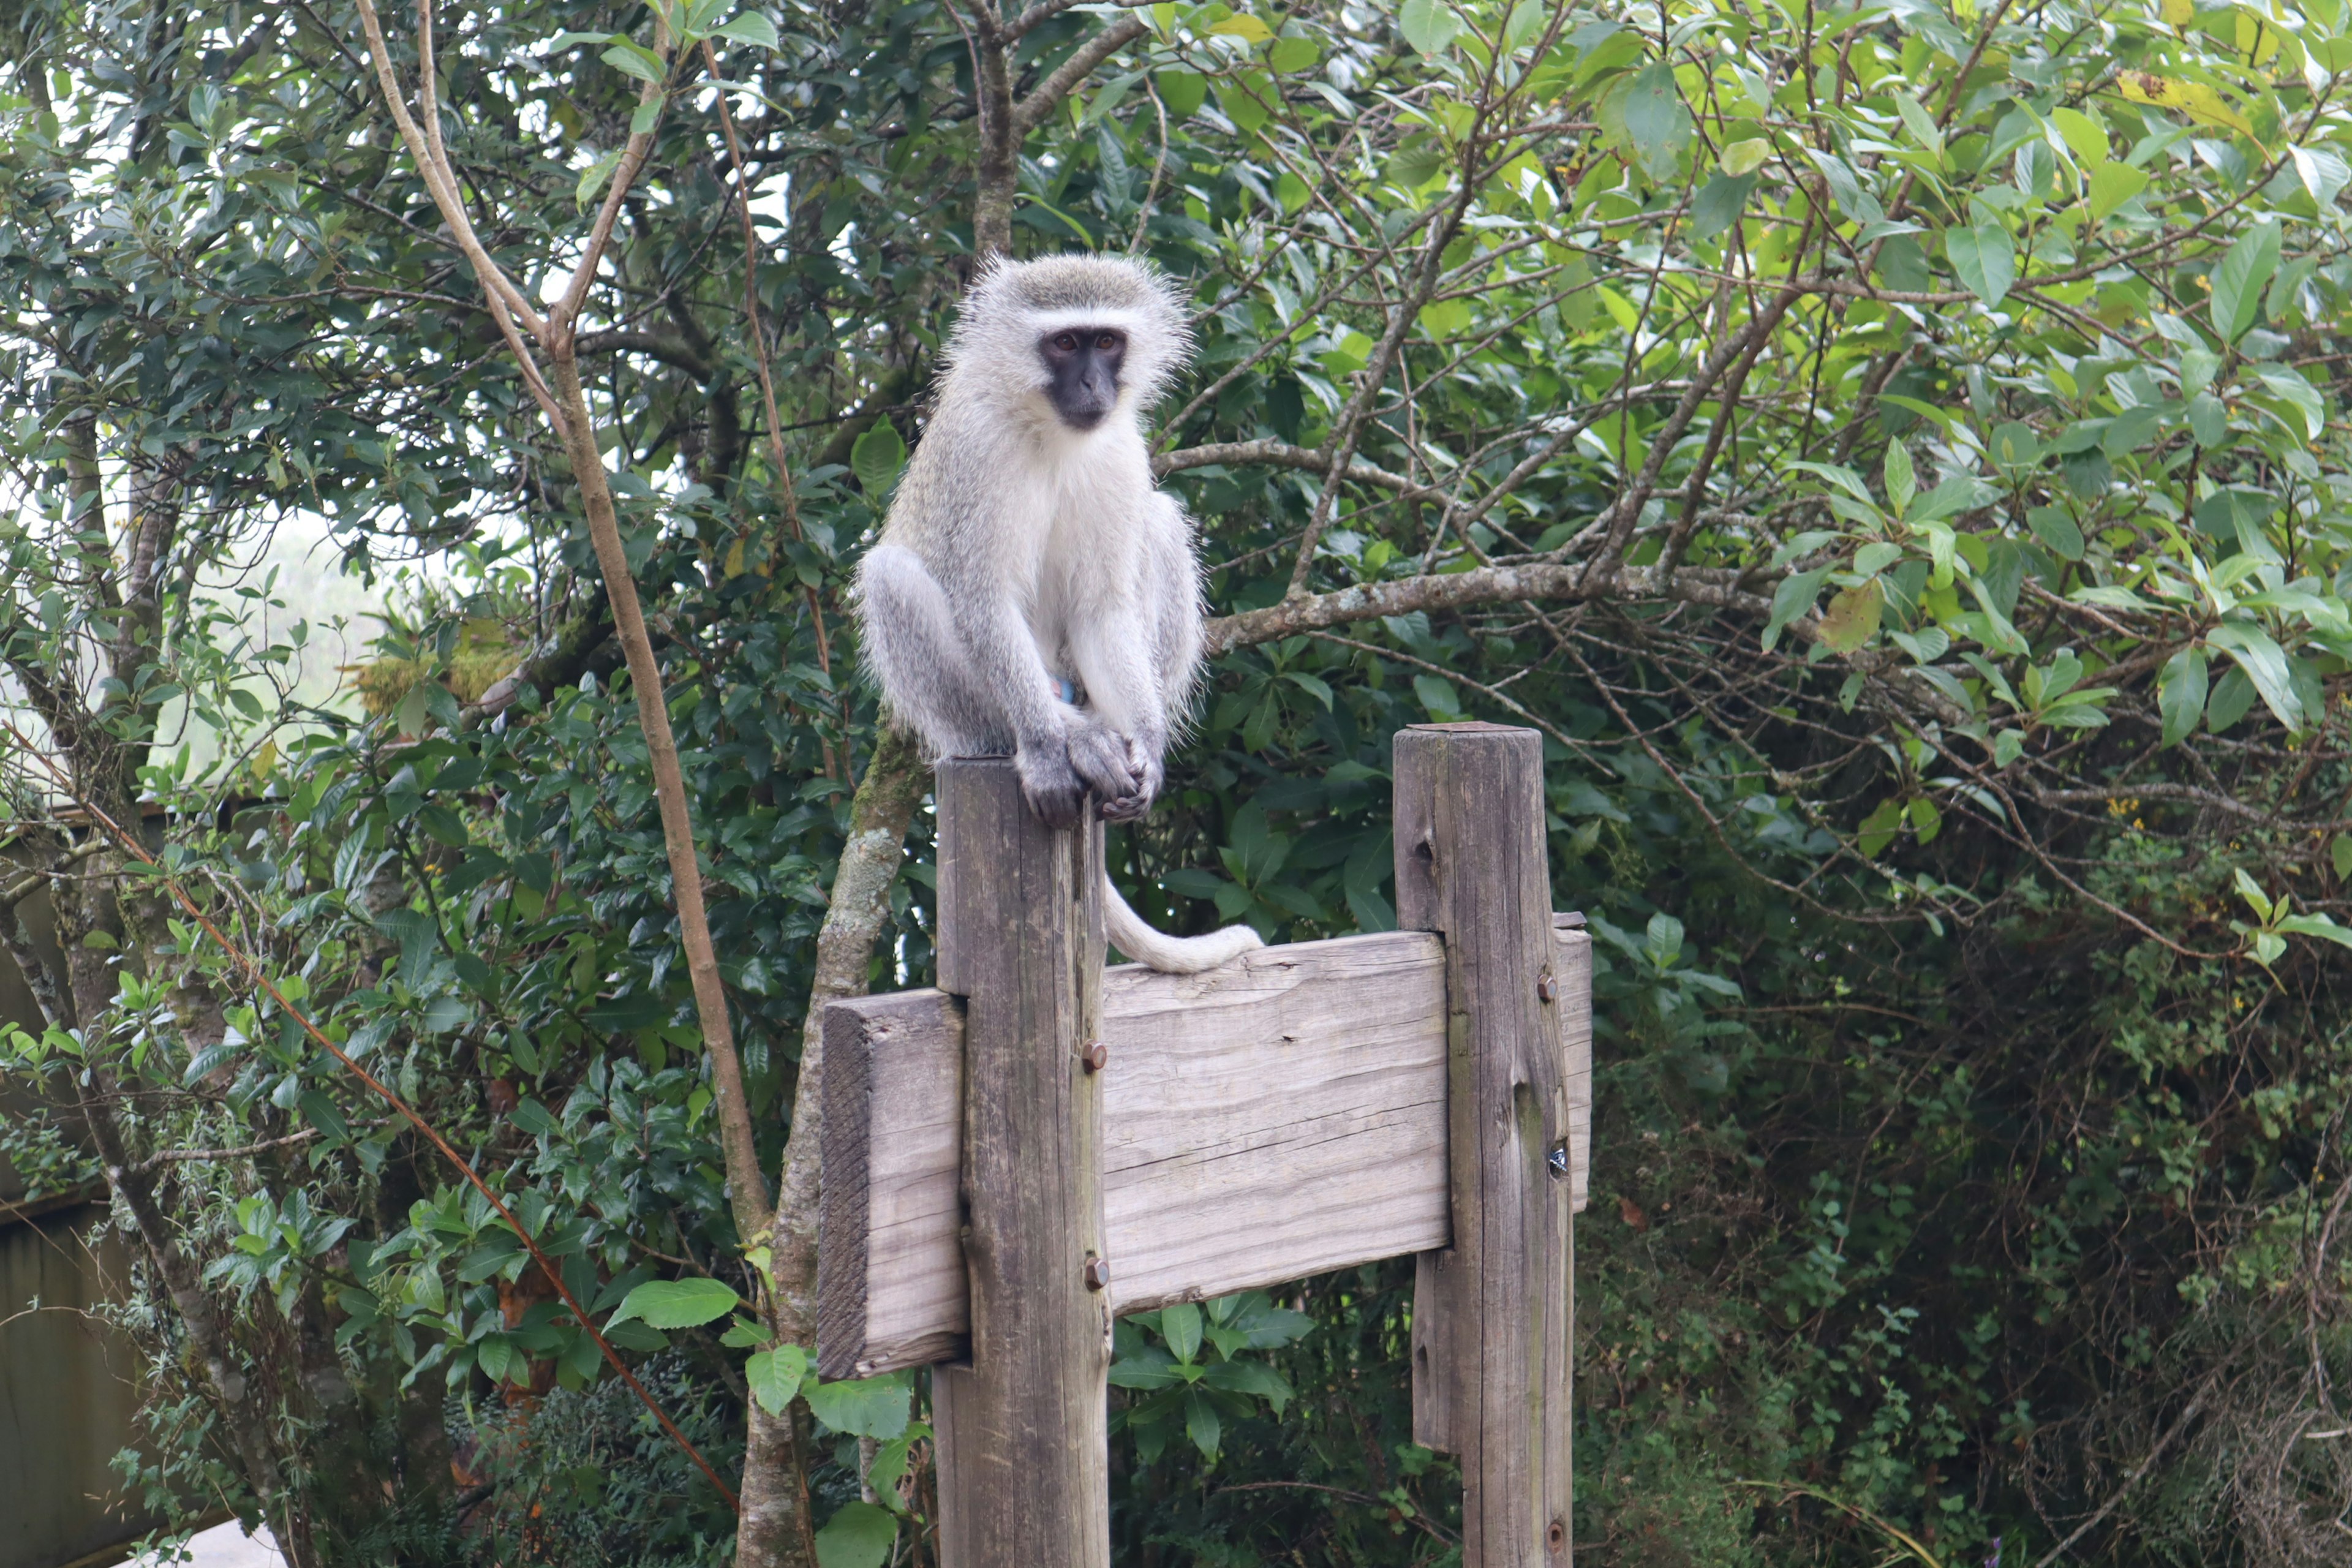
(1047, 95)
(1281, 454)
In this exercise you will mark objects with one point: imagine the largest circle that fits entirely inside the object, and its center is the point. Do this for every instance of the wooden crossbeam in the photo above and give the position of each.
(1281, 1116)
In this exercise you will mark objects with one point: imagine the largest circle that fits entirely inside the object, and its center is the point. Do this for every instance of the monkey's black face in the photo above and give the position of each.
(1084, 364)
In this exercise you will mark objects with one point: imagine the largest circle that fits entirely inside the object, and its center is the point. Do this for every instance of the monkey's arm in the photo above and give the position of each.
(1059, 754)
(1138, 652)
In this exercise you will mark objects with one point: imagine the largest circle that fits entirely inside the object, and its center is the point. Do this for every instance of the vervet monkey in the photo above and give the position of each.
(1033, 592)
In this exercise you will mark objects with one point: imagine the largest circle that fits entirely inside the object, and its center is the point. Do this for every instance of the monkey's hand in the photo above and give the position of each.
(1144, 766)
(1104, 759)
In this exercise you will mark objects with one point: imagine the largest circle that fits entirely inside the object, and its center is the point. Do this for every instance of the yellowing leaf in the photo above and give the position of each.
(2195, 99)
(265, 761)
(2178, 12)
(1244, 26)
(734, 563)
(1852, 617)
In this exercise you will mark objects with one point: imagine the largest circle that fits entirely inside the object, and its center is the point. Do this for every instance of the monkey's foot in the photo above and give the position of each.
(1052, 789)
(1100, 756)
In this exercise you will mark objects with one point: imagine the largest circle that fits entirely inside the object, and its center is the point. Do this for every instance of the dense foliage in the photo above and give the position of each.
(1896, 455)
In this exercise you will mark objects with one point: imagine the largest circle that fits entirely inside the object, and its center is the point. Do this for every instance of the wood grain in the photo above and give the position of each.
(1282, 1115)
(890, 1282)
(1491, 1312)
(1574, 968)
(1024, 1442)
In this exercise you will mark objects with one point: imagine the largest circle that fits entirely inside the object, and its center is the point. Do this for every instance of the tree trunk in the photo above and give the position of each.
(774, 1527)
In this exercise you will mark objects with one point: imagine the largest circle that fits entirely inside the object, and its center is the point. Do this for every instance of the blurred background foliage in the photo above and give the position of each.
(1895, 455)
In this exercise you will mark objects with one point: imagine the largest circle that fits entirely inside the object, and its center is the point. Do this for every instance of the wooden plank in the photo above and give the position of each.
(1280, 1116)
(1575, 970)
(890, 1285)
(1491, 1311)
(1023, 1441)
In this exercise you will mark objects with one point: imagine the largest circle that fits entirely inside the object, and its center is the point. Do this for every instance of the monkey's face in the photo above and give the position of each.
(1082, 371)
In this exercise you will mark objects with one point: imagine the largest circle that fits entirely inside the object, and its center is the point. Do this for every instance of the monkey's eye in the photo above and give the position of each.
(1106, 342)
(1067, 342)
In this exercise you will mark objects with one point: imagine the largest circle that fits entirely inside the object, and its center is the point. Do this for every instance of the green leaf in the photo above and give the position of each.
(2319, 926)
(1902, 479)
(876, 456)
(2057, 532)
(859, 1536)
(1201, 1422)
(1182, 91)
(775, 1376)
(1180, 1325)
(2240, 279)
(1746, 157)
(752, 28)
(1879, 828)
(2209, 419)
(868, 1407)
(2233, 694)
(2339, 853)
(2323, 173)
(2084, 137)
(1792, 599)
(1720, 204)
(1291, 56)
(2292, 388)
(1429, 26)
(676, 1303)
(320, 1111)
(591, 180)
(2113, 185)
(2180, 694)
(1983, 260)
(1656, 121)
(2265, 664)
(1244, 97)
(634, 59)
(1662, 940)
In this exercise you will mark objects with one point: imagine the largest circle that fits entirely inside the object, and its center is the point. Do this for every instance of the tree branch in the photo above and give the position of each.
(1047, 95)
(1282, 455)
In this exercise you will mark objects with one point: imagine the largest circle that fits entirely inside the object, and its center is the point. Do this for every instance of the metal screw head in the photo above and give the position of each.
(1095, 1056)
(1097, 1274)
(1557, 1159)
(1544, 986)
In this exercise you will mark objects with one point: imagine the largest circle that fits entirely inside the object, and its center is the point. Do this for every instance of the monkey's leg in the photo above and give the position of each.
(922, 659)
(1128, 729)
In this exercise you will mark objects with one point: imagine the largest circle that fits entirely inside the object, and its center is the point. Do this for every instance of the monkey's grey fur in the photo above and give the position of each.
(1033, 592)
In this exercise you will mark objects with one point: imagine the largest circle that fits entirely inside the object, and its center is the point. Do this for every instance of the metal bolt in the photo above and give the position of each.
(1094, 1056)
(1098, 1272)
(1557, 1159)
(1543, 987)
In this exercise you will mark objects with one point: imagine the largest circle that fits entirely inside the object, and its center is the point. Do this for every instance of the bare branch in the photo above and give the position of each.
(439, 182)
(1047, 95)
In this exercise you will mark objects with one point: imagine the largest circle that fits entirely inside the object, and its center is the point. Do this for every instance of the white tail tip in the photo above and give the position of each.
(1171, 955)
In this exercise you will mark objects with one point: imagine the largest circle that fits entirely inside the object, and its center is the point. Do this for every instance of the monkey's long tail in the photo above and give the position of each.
(1171, 955)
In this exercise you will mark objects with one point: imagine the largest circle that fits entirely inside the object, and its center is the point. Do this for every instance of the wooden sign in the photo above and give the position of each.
(1040, 1145)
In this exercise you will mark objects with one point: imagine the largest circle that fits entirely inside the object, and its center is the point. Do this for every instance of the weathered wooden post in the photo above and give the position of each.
(995, 1189)
(1491, 1312)
(1024, 1439)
